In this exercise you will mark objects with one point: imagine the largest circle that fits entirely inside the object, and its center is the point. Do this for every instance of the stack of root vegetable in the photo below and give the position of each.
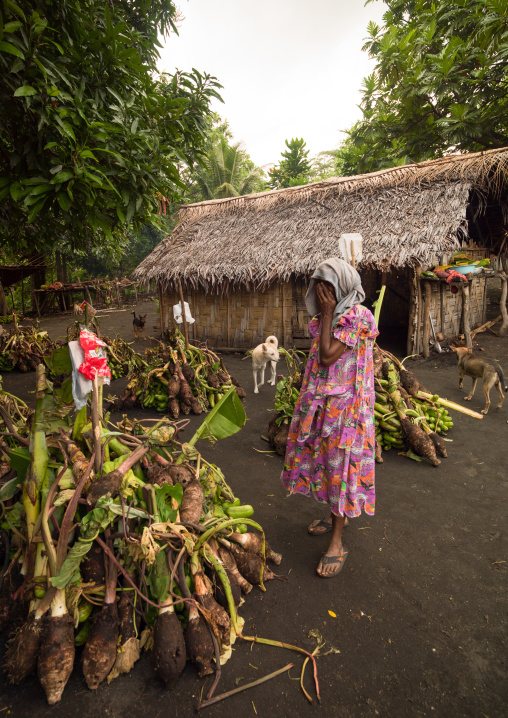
(24, 349)
(115, 539)
(407, 417)
(178, 380)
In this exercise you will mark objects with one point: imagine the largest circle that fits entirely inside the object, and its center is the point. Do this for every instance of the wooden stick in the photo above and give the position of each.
(503, 330)
(485, 326)
(426, 320)
(466, 314)
(419, 312)
(185, 330)
(411, 333)
(96, 429)
(205, 704)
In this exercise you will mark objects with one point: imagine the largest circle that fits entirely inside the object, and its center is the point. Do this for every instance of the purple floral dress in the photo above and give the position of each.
(331, 443)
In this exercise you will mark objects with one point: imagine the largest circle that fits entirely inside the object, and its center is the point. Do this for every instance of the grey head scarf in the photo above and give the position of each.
(346, 282)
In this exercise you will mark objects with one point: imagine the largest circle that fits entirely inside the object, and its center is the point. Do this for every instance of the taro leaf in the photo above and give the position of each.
(163, 496)
(64, 393)
(158, 578)
(225, 419)
(10, 488)
(20, 460)
(59, 361)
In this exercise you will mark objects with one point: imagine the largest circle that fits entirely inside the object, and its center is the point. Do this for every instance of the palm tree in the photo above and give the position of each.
(227, 171)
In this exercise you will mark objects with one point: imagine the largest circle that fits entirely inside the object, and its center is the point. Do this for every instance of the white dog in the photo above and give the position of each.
(261, 355)
(77, 309)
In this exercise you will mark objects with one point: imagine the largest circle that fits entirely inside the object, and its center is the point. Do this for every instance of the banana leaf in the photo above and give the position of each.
(59, 361)
(225, 419)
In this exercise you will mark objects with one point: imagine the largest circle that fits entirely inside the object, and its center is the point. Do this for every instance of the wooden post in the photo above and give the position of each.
(466, 318)
(426, 320)
(96, 429)
(23, 296)
(411, 332)
(184, 319)
(229, 320)
(503, 330)
(442, 308)
(89, 298)
(419, 311)
(159, 290)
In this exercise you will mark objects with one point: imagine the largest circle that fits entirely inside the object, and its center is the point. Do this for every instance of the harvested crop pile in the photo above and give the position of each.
(24, 349)
(178, 380)
(148, 548)
(407, 417)
(286, 396)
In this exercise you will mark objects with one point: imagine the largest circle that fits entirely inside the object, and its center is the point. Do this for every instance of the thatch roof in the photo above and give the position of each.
(406, 215)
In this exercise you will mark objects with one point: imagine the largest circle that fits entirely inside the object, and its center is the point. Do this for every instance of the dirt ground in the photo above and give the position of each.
(419, 609)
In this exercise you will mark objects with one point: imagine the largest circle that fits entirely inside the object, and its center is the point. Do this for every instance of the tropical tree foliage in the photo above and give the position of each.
(440, 81)
(226, 171)
(294, 168)
(90, 133)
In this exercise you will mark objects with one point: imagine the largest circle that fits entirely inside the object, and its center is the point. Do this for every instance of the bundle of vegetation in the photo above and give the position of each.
(149, 547)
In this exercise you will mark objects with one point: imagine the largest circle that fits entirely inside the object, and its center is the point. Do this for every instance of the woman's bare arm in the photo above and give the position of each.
(330, 349)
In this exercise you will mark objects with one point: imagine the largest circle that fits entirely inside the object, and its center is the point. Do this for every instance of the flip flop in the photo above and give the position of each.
(323, 523)
(339, 560)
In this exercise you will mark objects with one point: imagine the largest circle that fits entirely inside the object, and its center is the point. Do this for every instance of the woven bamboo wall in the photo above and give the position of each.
(240, 319)
(446, 308)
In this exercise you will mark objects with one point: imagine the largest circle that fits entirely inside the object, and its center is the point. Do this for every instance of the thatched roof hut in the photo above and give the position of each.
(408, 216)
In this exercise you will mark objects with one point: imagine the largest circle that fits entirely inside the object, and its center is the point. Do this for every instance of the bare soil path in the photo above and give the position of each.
(420, 606)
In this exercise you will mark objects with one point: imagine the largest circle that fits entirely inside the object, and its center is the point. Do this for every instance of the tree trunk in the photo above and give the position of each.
(466, 314)
(64, 270)
(59, 267)
(426, 320)
(3, 302)
(37, 279)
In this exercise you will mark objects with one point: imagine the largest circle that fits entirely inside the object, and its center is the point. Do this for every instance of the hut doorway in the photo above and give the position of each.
(394, 317)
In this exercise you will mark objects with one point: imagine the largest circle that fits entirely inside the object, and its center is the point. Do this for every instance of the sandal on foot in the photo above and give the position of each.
(318, 524)
(338, 560)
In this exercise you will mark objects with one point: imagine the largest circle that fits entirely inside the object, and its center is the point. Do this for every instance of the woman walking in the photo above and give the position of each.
(331, 444)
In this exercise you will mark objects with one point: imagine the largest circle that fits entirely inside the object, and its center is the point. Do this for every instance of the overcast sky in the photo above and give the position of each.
(290, 68)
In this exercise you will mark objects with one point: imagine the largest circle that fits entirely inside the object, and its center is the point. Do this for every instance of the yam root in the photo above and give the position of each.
(100, 649)
(23, 650)
(230, 564)
(181, 474)
(253, 542)
(92, 566)
(249, 565)
(281, 439)
(409, 382)
(56, 656)
(169, 648)
(173, 386)
(379, 453)
(198, 642)
(419, 442)
(173, 408)
(192, 503)
(439, 444)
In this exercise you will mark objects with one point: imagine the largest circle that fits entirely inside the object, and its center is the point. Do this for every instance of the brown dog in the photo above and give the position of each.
(138, 324)
(479, 368)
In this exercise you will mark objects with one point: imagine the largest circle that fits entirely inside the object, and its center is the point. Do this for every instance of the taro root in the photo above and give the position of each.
(234, 381)
(219, 615)
(249, 564)
(196, 407)
(185, 394)
(188, 372)
(214, 381)
(173, 408)
(129, 647)
(281, 439)
(418, 441)
(192, 503)
(100, 649)
(185, 408)
(56, 656)
(409, 382)
(273, 428)
(173, 386)
(241, 392)
(181, 474)
(219, 594)
(252, 542)
(92, 566)
(438, 443)
(23, 651)
(112, 483)
(198, 642)
(168, 653)
(230, 565)
(159, 475)
(379, 453)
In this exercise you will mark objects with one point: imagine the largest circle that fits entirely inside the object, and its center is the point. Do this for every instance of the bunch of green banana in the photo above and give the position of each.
(388, 427)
